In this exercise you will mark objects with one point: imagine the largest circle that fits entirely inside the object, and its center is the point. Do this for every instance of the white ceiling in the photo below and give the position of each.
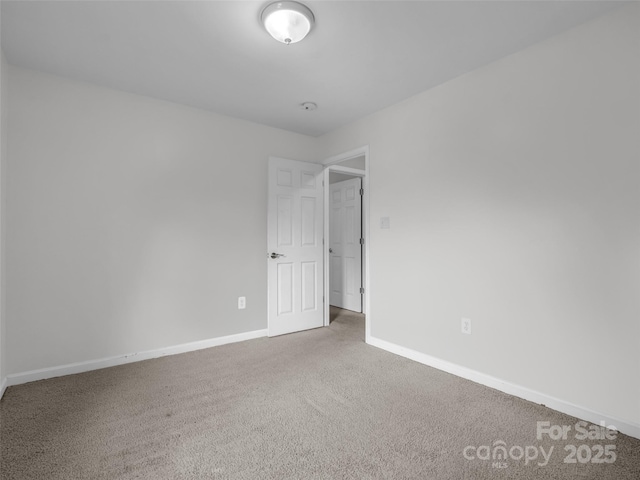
(361, 56)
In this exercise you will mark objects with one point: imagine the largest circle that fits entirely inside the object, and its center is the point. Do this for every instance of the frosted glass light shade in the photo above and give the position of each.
(287, 22)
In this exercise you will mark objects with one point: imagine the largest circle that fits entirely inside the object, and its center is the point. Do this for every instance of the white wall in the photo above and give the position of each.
(3, 158)
(134, 224)
(514, 200)
(335, 177)
(357, 162)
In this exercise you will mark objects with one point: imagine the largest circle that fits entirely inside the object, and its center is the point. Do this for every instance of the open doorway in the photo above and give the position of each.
(346, 232)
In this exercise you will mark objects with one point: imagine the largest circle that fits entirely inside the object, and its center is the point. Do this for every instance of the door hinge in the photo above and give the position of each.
(362, 241)
(361, 191)
(361, 290)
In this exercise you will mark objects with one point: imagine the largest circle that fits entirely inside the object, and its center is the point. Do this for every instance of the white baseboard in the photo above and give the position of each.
(80, 367)
(628, 428)
(3, 386)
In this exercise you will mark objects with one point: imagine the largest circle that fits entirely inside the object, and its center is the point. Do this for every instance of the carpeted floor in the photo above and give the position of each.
(319, 404)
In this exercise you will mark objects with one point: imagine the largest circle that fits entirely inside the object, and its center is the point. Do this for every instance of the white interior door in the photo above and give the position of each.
(295, 257)
(345, 247)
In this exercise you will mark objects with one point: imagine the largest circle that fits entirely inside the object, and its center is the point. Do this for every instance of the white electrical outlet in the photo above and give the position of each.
(242, 303)
(465, 326)
(385, 223)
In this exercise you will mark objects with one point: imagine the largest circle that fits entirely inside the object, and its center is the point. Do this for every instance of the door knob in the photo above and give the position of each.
(276, 255)
(330, 250)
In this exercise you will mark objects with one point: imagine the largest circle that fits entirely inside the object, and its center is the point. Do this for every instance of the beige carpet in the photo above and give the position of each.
(314, 405)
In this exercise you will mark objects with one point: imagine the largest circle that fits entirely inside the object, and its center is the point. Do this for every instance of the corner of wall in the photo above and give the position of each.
(3, 157)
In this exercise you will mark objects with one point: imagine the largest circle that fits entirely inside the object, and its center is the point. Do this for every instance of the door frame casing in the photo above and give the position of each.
(331, 166)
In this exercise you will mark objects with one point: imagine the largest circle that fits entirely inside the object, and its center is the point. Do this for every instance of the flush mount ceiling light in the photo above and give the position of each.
(287, 22)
